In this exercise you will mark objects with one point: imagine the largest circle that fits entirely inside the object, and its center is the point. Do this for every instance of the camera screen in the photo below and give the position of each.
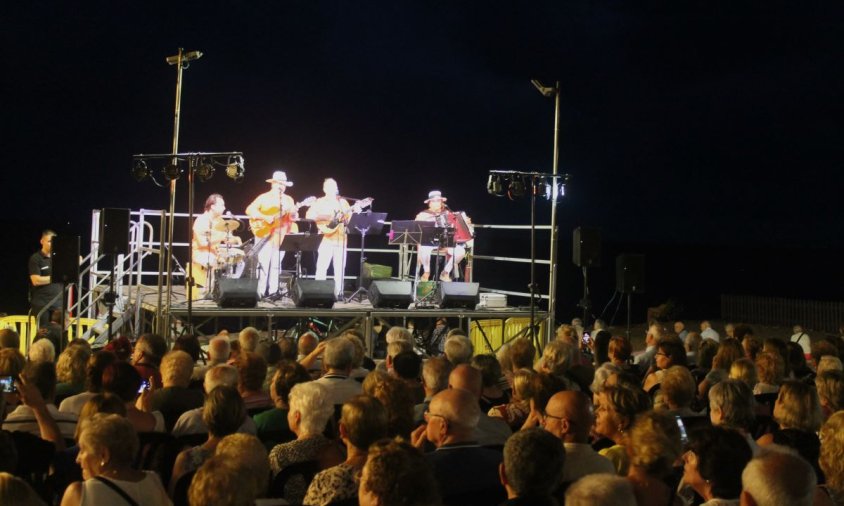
(7, 384)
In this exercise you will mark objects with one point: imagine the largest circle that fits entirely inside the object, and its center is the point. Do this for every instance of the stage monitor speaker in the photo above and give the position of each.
(65, 259)
(390, 293)
(630, 273)
(114, 231)
(313, 293)
(237, 293)
(586, 247)
(459, 295)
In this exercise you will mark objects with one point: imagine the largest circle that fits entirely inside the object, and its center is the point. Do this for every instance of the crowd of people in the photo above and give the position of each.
(693, 418)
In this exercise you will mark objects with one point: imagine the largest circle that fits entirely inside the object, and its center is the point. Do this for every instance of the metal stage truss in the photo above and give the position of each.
(142, 288)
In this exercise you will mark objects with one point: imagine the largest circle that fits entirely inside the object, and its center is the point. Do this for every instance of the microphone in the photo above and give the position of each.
(186, 57)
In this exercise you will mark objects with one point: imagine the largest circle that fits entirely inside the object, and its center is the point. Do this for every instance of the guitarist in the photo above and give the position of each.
(330, 213)
(271, 215)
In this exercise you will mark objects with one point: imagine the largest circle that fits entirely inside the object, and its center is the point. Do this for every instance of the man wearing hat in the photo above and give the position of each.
(271, 215)
(438, 212)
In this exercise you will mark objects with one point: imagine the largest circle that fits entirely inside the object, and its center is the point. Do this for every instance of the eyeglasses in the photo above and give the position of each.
(558, 418)
(427, 415)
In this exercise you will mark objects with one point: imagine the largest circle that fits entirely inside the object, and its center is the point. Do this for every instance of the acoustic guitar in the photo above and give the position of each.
(265, 225)
(342, 217)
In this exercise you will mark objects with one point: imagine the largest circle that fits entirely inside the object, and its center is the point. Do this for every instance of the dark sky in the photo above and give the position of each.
(692, 130)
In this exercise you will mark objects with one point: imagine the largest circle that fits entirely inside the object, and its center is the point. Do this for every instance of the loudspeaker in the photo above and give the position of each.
(65, 259)
(630, 273)
(459, 295)
(390, 293)
(586, 247)
(237, 293)
(114, 231)
(313, 293)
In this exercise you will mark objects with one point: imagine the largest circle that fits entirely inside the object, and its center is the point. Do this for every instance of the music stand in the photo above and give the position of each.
(364, 223)
(300, 243)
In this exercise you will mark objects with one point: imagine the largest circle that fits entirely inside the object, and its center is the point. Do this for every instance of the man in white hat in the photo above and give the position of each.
(438, 212)
(271, 215)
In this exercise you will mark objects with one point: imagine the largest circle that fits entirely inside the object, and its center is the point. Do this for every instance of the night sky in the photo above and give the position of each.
(706, 135)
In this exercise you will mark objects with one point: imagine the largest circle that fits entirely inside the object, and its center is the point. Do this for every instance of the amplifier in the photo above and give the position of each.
(493, 300)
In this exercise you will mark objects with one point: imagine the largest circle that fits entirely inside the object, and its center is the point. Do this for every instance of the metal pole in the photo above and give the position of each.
(172, 209)
(159, 328)
(552, 277)
(191, 163)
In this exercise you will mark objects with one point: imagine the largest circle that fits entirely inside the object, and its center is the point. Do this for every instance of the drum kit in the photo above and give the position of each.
(230, 259)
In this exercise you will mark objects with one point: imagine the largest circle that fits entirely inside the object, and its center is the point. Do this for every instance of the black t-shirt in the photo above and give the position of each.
(41, 295)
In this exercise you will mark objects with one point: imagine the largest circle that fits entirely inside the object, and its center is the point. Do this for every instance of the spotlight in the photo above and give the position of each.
(516, 189)
(204, 171)
(541, 188)
(235, 169)
(494, 187)
(140, 171)
(172, 171)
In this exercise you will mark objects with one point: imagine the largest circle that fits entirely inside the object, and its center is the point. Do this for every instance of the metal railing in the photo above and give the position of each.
(825, 316)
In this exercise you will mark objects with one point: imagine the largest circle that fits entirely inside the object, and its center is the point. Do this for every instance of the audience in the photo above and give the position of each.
(488, 431)
(731, 407)
(42, 375)
(526, 385)
(491, 394)
(175, 397)
(338, 361)
(252, 369)
(617, 408)
(654, 446)
(601, 489)
(396, 399)
(435, 372)
(94, 369)
(777, 477)
(123, 380)
(407, 367)
(797, 411)
(832, 458)
(458, 349)
(830, 386)
(396, 474)
(222, 482)
(71, 371)
(712, 465)
(42, 350)
(271, 425)
(532, 468)
(677, 392)
(247, 453)
(771, 369)
(147, 355)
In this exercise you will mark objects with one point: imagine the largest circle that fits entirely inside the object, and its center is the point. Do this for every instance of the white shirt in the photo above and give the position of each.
(710, 334)
(582, 460)
(23, 419)
(804, 341)
(191, 423)
(340, 388)
(74, 403)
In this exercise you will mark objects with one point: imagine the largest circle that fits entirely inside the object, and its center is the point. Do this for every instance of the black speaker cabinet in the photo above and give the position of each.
(65, 259)
(237, 293)
(586, 247)
(459, 295)
(114, 231)
(630, 273)
(390, 293)
(313, 293)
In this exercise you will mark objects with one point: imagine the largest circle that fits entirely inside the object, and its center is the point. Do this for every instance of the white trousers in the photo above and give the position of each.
(452, 255)
(331, 252)
(269, 259)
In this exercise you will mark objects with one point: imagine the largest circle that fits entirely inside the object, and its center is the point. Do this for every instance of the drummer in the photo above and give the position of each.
(439, 213)
(212, 238)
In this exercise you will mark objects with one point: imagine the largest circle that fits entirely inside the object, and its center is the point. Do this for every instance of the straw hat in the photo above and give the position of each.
(435, 195)
(280, 177)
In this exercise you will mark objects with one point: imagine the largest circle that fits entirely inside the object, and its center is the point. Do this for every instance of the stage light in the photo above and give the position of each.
(235, 168)
(172, 171)
(204, 171)
(541, 188)
(516, 189)
(494, 186)
(140, 171)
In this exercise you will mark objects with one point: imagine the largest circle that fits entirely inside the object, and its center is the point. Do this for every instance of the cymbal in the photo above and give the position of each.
(227, 225)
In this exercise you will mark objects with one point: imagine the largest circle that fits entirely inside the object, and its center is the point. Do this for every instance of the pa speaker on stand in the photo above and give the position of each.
(630, 279)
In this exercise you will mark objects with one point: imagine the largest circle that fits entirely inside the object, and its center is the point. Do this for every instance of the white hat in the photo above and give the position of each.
(280, 177)
(435, 195)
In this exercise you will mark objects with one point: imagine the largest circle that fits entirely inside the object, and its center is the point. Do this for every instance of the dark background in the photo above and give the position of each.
(706, 135)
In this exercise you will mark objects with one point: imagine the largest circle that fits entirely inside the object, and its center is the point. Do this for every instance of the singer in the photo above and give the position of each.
(211, 240)
(439, 213)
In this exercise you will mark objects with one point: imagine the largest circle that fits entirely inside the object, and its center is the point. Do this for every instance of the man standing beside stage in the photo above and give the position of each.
(438, 213)
(330, 213)
(271, 216)
(42, 291)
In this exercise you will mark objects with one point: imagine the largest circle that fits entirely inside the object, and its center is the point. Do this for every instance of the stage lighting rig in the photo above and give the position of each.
(494, 186)
(140, 170)
(235, 168)
(204, 170)
(516, 184)
(172, 171)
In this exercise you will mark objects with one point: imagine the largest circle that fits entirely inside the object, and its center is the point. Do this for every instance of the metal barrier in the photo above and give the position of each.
(825, 316)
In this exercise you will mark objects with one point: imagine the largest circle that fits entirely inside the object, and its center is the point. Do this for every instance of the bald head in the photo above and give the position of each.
(576, 410)
(466, 377)
(307, 343)
(460, 408)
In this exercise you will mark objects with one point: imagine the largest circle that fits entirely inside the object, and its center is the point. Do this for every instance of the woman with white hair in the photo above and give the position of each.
(107, 448)
(309, 413)
(42, 350)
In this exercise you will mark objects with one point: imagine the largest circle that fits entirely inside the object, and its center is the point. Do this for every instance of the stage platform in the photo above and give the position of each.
(276, 315)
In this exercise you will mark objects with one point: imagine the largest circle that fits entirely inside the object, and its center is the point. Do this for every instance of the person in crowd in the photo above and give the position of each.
(308, 355)
(771, 369)
(466, 472)
(435, 372)
(712, 465)
(677, 392)
(830, 385)
(600, 346)
(669, 352)
(252, 369)
(192, 421)
(14, 490)
(361, 365)
(617, 408)
(219, 350)
(706, 355)
(707, 332)
(43, 376)
(247, 452)
(825, 348)
(797, 411)
(147, 355)
(779, 347)
(802, 339)
(729, 350)
(9, 339)
(832, 459)
(601, 489)
(532, 468)
(522, 354)
(775, 478)
(41, 444)
(396, 474)
(272, 424)
(680, 330)
(506, 364)
(94, 368)
(175, 397)
(288, 348)
(42, 350)
(407, 367)
(394, 349)
(526, 385)
(489, 431)
(220, 481)
(654, 447)
(122, 379)
(829, 363)
(223, 413)
(398, 333)
(458, 349)
(645, 359)
(692, 344)
(70, 371)
(621, 352)
(800, 369)
(491, 394)
(338, 360)
(568, 416)
(557, 359)
(107, 447)
(310, 411)
(363, 421)
(396, 398)
(248, 339)
(731, 407)
(744, 369)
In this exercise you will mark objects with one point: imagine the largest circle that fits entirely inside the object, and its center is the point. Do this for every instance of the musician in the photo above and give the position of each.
(330, 213)
(438, 212)
(42, 290)
(271, 215)
(209, 236)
